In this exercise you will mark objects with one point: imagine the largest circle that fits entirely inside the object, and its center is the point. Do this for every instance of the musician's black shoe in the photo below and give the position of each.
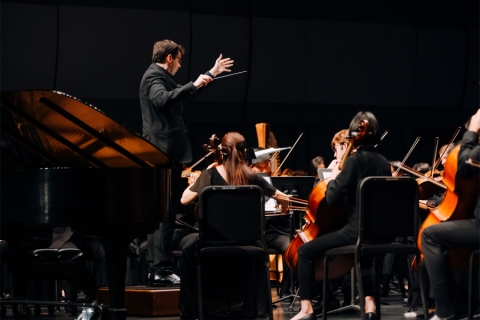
(162, 278)
(370, 316)
(384, 290)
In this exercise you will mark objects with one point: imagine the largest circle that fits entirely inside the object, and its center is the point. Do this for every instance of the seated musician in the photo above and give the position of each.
(463, 233)
(233, 171)
(315, 164)
(339, 145)
(366, 161)
(277, 229)
(421, 167)
(262, 163)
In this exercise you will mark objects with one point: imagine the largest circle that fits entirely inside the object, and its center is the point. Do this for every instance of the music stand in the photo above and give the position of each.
(324, 174)
(298, 187)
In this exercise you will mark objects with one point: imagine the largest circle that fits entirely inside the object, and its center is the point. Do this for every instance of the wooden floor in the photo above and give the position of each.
(391, 310)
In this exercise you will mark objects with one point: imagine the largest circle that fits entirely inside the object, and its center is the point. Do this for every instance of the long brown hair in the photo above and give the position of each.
(233, 153)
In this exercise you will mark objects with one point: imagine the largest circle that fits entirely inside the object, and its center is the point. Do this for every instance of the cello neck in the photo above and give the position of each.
(346, 154)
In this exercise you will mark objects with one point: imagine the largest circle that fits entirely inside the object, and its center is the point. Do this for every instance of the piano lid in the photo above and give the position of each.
(64, 131)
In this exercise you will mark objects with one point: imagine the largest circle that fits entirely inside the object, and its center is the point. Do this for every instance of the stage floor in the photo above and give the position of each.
(393, 311)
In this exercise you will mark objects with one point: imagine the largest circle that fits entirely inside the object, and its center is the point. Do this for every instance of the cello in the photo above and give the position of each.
(459, 203)
(321, 219)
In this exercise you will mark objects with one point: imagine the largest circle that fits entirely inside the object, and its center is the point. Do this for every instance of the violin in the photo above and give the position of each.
(211, 148)
(321, 219)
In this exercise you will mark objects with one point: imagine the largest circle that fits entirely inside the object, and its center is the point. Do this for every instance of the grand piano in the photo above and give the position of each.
(64, 162)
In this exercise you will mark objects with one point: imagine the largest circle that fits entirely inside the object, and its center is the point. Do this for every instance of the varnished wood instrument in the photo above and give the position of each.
(321, 219)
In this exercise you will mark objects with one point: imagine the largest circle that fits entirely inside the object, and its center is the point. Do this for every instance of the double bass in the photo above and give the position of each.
(321, 219)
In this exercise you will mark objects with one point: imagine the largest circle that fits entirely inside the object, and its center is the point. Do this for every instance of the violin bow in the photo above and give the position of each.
(381, 138)
(408, 155)
(383, 135)
(278, 169)
(455, 134)
(189, 169)
(435, 150)
(421, 175)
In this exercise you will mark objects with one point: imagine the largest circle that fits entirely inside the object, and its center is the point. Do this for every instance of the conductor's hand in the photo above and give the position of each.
(475, 122)
(221, 65)
(202, 80)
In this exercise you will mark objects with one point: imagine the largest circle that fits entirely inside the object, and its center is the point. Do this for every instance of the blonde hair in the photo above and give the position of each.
(340, 137)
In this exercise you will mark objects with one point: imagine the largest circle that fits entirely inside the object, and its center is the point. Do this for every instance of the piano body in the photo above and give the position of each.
(64, 162)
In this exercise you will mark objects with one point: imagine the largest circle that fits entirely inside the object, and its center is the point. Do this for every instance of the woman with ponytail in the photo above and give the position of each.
(234, 170)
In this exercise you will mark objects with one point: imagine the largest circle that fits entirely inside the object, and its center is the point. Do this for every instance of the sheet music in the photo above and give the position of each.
(270, 204)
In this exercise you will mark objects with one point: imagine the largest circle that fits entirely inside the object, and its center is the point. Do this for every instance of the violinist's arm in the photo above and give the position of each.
(188, 196)
(192, 191)
(282, 199)
(469, 143)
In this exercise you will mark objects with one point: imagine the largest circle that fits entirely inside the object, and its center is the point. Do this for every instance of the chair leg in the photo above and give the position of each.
(422, 289)
(377, 288)
(199, 290)
(254, 276)
(410, 278)
(277, 274)
(360, 285)
(269, 290)
(401, 285)
(325, 280)
(470, 284)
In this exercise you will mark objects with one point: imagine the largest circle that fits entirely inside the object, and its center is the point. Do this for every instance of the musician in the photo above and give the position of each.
(161, 101)
(262, 163)
(339, 145)
(315, 164)
(343, 185)
(233, 171)
(422, 167)
(464, 233)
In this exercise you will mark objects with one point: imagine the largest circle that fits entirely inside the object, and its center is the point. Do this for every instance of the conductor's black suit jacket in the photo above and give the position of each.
(162, 112)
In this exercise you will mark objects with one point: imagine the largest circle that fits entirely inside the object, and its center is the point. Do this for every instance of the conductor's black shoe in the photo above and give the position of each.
(163, 278)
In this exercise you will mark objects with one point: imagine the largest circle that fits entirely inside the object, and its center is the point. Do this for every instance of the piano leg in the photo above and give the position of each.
(116, 256)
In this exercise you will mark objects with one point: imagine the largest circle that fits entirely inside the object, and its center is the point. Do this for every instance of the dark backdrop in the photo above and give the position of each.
(311, 64)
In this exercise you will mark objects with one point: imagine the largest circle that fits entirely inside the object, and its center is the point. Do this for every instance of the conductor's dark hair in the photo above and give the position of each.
(372, 137)
(161, 50)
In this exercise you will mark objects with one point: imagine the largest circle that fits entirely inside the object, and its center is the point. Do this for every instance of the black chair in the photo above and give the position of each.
(387, 208)
(43, 264)
(231, 226)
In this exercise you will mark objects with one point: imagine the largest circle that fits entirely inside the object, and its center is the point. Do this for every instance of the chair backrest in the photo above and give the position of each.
(231, 213)
(387, 208)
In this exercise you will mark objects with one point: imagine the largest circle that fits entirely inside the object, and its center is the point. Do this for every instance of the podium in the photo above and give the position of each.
(147, 301)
